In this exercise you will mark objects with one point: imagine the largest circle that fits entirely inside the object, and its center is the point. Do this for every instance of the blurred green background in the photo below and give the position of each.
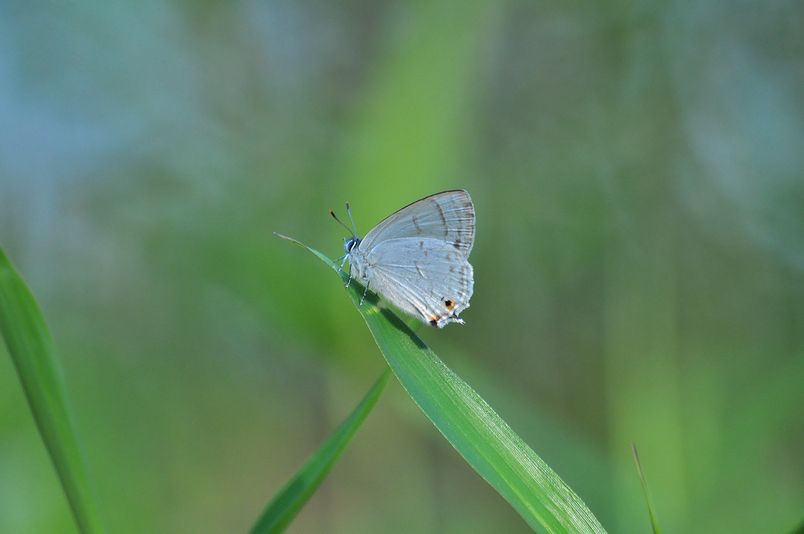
(638, 176)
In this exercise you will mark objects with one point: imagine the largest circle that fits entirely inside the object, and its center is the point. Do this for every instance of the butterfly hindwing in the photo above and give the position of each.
(425, 277)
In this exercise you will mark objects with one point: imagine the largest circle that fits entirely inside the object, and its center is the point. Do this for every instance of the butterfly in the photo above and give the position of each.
(418, 257)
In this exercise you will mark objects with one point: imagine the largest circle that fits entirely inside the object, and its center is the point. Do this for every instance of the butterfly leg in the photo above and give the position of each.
(340, 269)
(343, 262)
(365, 290)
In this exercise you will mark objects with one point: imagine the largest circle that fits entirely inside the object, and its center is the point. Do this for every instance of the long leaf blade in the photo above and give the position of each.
(31, 348)
(290, 499)
(471, 426)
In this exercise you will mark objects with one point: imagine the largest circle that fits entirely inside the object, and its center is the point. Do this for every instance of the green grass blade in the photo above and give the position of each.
(654, 523)
(31, 348)
(484, 440)
(290, 499)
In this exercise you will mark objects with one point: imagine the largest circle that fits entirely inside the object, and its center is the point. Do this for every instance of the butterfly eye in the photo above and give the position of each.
(350, 244)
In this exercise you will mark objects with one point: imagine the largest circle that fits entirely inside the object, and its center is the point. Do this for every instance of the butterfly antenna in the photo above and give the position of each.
(349, 213)
(331, 212)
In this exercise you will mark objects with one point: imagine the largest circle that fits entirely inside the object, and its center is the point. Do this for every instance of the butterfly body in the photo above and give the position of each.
(417, 258)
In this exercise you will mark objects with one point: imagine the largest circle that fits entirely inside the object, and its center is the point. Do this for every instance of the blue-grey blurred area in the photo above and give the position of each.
(638, 177)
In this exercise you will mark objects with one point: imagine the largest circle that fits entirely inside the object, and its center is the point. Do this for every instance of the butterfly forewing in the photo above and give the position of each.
(428, 278)
(448, 216)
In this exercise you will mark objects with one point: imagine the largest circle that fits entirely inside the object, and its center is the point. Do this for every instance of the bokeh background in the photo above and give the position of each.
(638, 176)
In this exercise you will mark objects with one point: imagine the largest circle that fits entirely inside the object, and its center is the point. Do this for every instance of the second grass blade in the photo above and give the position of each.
(290, 499)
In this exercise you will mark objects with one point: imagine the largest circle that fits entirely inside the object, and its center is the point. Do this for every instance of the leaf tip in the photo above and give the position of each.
(283, 236)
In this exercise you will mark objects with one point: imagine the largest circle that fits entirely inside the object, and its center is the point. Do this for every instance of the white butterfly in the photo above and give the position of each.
(417, 258)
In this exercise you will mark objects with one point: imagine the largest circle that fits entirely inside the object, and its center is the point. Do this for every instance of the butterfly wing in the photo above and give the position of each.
(448, 216)
(425, 277)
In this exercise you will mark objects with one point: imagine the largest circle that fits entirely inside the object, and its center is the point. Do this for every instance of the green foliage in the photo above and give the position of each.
(31, 348)
(484, 440)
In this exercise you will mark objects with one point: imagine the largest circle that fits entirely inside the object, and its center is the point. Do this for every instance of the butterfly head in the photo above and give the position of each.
(350, 244)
